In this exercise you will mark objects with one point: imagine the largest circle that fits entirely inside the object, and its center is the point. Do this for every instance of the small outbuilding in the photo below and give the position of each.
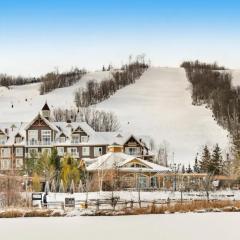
(117, 170)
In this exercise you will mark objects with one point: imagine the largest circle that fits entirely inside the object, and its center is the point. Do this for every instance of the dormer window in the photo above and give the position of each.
(18, 139)
(84, 138)
(75, 138)
(62, 139)
(3, 139)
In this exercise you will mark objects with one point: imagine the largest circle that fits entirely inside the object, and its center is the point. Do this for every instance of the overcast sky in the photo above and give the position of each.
(37, 36)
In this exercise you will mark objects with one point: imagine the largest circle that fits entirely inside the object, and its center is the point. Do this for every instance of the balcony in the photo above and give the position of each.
(36, 143)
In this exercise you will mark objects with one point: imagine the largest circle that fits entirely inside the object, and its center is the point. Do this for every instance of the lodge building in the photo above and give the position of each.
(20, 141)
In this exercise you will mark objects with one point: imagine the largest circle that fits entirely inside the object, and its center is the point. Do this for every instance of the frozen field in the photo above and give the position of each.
(167, 227)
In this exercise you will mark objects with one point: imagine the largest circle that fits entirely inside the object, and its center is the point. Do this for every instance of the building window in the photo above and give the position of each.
(97, 151)
(142, 181)
(33, 137)
(75, 138)
(6, 152)
(84, 138)
(154, 182)
(46, 150)
(18, 139)
(85, 151)
(19, 163)
(132, 150)
(5, 164)
(128, 181)
(3, 139)
(73, 152)
(60, 151)
(19, 152)
(62, 139)
(46, 137)
(136, 165)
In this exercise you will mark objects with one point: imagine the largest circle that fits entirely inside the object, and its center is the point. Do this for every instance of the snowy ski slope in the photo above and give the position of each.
(235, 77)
(158, 104)
(25, 110)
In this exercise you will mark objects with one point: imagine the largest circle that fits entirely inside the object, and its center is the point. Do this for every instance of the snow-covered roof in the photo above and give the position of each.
(11, 132)
(121, 161)
(68, 129)
(50, 124)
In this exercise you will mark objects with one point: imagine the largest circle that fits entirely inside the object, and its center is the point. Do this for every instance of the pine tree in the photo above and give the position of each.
(215, 165)
(205, 160)
(196, 167)
(189, 169)
(183, 169)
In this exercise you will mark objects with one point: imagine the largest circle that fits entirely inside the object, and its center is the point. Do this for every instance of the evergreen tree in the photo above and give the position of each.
(69, 172)
(205, 160)
(103, 68)
(183, 169)
(189, 169)
(55, 159)
(196, 167)
(215, 165)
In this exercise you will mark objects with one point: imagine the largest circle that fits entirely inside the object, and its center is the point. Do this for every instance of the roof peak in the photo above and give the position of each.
(46, 107)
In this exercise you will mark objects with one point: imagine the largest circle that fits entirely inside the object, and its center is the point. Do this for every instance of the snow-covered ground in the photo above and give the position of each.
(146, 196)
(190, 226)
(159, 104)
(25, 110)
(235, 77)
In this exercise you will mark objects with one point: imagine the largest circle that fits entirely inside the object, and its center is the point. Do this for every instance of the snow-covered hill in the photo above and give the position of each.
(158, 104)
(25, 110)
(235, 77)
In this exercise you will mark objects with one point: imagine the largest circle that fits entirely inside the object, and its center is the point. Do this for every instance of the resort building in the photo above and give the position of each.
(22, 140)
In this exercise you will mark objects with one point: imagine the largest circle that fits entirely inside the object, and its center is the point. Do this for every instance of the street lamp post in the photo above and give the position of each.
(139, 188)
(175, 169)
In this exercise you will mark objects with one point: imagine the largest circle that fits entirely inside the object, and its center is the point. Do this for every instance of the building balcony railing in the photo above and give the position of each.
(39, 143)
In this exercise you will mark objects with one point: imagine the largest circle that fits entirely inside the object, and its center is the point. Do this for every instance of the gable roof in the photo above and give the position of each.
(46, 107)
(50, 124)
(119, 160)
(136, 139)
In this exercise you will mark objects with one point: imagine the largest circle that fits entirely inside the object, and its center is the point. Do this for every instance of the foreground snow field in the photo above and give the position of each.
(168, 227)
(159, 104)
